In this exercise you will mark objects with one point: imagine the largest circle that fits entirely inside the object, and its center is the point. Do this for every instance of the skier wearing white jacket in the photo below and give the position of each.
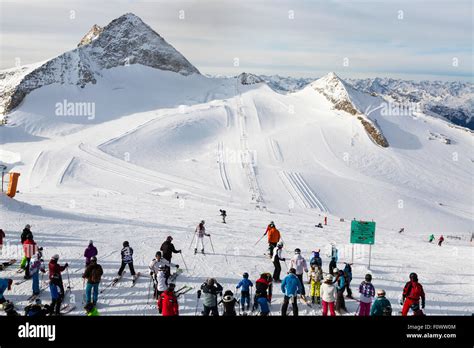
(200, 233)
(298, 262)
(159, 268)
(158, 261)
(328, 296)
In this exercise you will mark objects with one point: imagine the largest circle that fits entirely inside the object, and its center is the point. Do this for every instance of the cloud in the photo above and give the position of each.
(422, 39)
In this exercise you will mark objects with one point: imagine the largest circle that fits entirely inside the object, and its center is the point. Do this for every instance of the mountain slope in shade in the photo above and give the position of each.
(126, 40)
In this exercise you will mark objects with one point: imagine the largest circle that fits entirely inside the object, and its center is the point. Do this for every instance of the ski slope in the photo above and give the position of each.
(165, 151)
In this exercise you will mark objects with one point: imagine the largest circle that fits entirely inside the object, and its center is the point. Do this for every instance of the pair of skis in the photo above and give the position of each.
(6, 264)
(117, 279)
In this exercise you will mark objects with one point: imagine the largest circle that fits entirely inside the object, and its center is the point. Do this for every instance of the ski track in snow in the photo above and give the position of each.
(300, 191)
(221, 163)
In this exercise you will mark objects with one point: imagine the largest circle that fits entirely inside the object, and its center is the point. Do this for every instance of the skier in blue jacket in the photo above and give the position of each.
(245, 284)
(291, 287)
(340, 284)
(4, 285)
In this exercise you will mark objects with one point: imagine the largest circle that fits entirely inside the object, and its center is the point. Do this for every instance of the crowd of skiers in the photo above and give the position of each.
(325, 289)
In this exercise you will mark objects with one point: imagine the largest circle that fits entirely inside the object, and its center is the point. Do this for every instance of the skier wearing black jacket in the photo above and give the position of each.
(26, 233)
(228, 302)
(167, 249)
(127, 259)
(210, 289)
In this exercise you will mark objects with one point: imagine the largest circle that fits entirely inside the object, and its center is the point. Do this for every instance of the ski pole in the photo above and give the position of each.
(259, 239)
(149, 290)
(192, 240)
(197, 303)
(212, 246)
(68, 279)
(184, 261)
(83, 291)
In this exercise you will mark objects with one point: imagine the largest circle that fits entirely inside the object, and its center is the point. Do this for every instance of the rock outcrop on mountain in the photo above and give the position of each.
(124, 41)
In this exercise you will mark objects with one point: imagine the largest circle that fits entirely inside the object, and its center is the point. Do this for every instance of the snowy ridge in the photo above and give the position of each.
(124, 41)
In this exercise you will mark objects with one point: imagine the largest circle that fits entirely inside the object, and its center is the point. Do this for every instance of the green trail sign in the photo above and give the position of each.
(362, 232)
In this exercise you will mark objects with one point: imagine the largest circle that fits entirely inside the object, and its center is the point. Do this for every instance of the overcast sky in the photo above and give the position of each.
(411, 39)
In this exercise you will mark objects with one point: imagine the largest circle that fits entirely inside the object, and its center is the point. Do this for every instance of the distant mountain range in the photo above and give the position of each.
(453, 101)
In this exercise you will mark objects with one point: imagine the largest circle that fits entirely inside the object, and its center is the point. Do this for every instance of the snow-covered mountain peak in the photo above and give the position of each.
(249, 79)
(124, 41)
(337, 91)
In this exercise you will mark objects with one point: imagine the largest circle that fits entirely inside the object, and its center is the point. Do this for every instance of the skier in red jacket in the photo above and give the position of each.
(412, 292)
(168, 302)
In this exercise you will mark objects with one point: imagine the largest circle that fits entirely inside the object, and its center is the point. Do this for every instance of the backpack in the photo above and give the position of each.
(387, 311)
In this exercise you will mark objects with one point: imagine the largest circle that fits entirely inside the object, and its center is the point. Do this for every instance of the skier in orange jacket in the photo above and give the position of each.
(273, 237)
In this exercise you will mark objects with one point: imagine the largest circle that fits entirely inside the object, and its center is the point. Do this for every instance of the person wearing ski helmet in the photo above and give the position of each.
(367, 292)
(159, 261)
(291, 287)
(90, 252)
(210, 289)
(263, 293)
(200, 233)
(35, 268)
(30, 248)
(332, 265)
(328, 296)
(5, 284)
(348, 274)
(315, 279)
(412, 294)
(26, 233)
(381, 306)
(127, 259)
(56, 286)
(340, 284)
(228, 302)
(298, 262)
(440, 240)
(277, 257)
(273, 236)
(245, 284)
(168, 304)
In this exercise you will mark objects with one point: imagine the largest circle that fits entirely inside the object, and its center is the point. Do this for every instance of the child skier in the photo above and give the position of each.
(228, 302)
(245, 283)
(432, 238)
(381, 306)
(412, 293)
(315, 278)
(367, 292)
(348, 275)
(263, 293)
(127, 259)
(36, 267)
(328, 292)
(168, 302)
